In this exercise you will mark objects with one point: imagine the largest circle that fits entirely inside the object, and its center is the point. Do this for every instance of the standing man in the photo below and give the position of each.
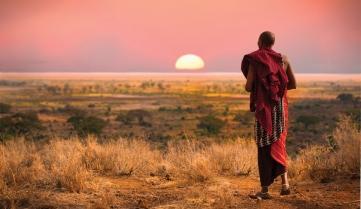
(269, 76)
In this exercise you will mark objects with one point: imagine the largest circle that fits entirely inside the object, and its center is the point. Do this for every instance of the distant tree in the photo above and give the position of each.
(345, 97)
(308, 120)
(67, 89)
(161, 86)
(142, 117)
(5, 108)
(69, 109)
(108, 110)
(226, 110)
(54, 90)
(162, 109)
(92, 105)
(20, 124)
(121, 117)
(210, 124)
(85, 125)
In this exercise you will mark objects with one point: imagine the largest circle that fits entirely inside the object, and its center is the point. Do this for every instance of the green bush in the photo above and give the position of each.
(210, 124)
(5, 108)
(20, 124)
(85, 125)
(345, 97)
(142, 117)
(69, 109)
(308, 120)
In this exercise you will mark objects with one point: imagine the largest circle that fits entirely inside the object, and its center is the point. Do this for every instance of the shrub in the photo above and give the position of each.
(5, 108)
(345, 97)
(85, 125)
(340, 158)
(210, 124)
(307, 120)
(243, 117)
(71, 110)
(20, 124)
(142, 117)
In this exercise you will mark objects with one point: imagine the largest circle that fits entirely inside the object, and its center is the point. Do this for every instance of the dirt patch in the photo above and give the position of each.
(157, 193)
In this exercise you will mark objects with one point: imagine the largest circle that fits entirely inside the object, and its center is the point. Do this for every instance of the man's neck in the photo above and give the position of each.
(267, 48)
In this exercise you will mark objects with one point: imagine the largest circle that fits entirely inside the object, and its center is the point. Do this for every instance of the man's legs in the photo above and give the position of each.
(285, 190)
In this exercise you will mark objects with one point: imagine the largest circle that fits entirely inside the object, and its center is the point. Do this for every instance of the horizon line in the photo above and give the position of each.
(184, 72)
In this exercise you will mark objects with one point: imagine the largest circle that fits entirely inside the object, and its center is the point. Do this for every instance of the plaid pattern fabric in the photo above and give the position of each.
(278, 124)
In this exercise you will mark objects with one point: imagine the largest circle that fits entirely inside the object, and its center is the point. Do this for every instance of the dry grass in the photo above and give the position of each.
(198, 162)
(341, 157)
(70, 164)
(121, 157)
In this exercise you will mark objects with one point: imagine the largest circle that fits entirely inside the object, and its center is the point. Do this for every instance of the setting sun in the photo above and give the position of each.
(189, 62)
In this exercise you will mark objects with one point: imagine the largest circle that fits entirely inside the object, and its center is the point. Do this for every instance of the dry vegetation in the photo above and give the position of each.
(73, 165)
(341, 157)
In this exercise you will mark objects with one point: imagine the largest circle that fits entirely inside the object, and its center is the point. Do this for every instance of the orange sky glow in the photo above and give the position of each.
(321, 36)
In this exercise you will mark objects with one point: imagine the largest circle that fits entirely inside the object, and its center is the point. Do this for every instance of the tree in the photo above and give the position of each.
(211, 124)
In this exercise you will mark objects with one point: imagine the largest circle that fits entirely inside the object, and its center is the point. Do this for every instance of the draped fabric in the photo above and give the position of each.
(269, 86)
(268, 100)
(272, 158)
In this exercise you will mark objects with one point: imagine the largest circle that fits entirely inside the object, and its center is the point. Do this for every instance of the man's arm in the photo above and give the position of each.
(250, 78)
(290, 75)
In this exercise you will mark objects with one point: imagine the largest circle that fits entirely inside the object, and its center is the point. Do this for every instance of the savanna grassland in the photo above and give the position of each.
(170, 141)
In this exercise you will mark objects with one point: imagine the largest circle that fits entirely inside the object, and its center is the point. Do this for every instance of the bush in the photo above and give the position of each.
(20, 124)
(142, 117)
(5, 108)
(71, 110)
(307, 120)
(211, 124)
(85, 125)
(324, 163)
(345, 97)
(244, 117)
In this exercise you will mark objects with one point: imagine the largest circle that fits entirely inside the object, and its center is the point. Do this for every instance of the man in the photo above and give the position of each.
(269, 76)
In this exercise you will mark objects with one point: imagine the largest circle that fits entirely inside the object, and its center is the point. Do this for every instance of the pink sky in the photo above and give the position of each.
(149, 35)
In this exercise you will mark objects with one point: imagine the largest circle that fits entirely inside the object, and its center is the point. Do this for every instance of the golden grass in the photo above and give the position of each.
(70, 164)
(326, 162)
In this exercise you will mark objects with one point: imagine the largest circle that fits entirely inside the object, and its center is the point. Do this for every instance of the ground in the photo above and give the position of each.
(220, 192)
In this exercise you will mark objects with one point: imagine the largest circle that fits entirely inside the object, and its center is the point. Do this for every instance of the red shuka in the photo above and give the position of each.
(269, 86)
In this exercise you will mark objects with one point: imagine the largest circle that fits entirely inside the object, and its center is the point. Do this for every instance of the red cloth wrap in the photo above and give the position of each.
(278, 148)
(269, 86)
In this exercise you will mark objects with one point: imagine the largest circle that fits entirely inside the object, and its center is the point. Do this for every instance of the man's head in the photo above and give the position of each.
(266, 40)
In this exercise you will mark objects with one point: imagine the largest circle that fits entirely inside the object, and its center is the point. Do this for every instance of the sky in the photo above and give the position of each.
(318, 36)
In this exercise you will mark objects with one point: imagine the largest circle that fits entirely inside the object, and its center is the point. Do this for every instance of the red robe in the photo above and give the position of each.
(270, 86)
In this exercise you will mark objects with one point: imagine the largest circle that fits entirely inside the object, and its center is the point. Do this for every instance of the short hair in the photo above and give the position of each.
(267, 38)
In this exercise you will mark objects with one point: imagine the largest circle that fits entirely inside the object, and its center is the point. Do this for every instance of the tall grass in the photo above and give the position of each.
(71, 164)
(341, 157)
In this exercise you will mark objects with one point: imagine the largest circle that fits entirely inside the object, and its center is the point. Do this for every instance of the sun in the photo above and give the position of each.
(189, 62)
